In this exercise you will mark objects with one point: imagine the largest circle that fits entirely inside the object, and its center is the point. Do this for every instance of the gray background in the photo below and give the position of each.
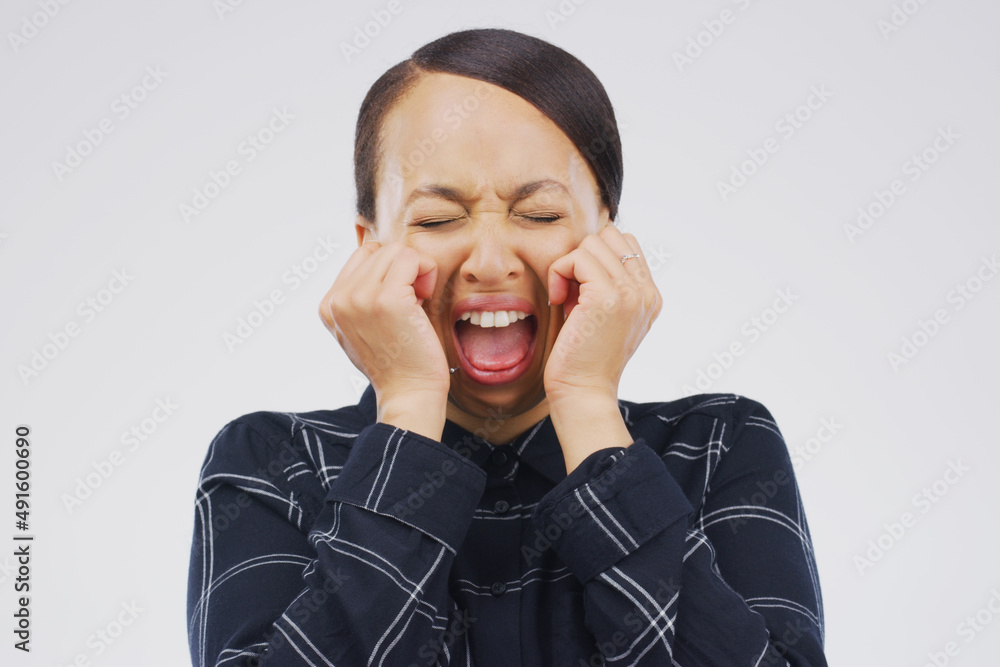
(719, 262)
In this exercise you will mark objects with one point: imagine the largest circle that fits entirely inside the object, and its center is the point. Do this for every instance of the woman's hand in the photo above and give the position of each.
(374, 311)
(610, 305)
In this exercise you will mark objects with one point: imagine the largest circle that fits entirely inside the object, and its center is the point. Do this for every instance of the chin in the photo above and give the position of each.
(509, 399)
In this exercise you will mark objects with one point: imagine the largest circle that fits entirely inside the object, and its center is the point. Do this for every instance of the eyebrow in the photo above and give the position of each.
(522, 192)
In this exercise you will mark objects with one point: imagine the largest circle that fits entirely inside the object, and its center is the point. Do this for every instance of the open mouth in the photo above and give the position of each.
(495, 346)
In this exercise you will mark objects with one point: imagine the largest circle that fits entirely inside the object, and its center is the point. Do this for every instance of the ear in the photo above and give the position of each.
(364, 229)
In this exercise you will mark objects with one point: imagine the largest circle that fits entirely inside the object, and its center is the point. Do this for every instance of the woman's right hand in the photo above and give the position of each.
(374, 311)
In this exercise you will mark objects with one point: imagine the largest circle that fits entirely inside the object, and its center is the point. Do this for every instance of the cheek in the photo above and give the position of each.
(444, 252)
(536, 251)
(542, 252)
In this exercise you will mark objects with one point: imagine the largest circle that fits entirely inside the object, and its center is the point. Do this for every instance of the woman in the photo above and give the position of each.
(490, 500)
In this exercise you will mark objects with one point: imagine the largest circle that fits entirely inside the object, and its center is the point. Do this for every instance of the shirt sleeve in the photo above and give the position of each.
(734, 583)
(358, 578)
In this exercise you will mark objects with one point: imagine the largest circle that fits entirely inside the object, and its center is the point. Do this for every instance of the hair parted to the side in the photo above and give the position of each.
(554, 81)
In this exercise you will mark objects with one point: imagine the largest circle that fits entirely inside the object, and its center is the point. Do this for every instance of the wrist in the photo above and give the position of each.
(586, 423)
(422, 412)
(576, 404)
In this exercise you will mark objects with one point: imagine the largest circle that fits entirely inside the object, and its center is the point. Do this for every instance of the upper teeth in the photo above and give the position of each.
(498, 318)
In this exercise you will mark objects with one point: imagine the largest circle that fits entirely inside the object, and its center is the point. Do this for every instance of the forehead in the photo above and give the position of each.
(475, 136)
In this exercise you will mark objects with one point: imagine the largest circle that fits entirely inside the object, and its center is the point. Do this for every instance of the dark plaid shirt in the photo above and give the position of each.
(324, 538)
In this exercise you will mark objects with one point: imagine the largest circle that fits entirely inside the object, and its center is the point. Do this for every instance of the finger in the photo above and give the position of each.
(426, 280)
(354, 278)
(627, 244)
(412, 269)
(557, 284)
(377, 269)
(572, 298)
(563, 286)
(608, 249)
(560, 274)
(621, 242)
(645, 276)
(325, 309)
(578, 266)
(362, 253)
(633, 243)
(359, 256)
(370, 278)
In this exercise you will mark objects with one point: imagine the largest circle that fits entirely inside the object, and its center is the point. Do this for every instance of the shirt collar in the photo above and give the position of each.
(537, 447)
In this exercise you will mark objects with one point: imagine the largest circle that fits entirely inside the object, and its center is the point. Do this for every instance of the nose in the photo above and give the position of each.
(493, 256)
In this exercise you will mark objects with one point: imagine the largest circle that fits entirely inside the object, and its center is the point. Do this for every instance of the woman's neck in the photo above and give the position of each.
(498, 427)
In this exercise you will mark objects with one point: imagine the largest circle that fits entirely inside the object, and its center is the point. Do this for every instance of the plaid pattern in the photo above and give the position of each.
(324, 538)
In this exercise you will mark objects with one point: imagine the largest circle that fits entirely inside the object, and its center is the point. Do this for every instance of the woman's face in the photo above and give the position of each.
(492, 190)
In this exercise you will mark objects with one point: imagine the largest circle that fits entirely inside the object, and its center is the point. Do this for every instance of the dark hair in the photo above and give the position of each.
(555, 82)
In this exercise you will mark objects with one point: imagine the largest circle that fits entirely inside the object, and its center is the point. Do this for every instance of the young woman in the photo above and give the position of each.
(491, 500)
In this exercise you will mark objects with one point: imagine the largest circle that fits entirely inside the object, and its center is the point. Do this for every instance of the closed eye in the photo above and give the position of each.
(429, 224)
(541, 218)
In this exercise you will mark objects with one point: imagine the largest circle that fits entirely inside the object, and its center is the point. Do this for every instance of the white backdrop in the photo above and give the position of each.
(754, 131)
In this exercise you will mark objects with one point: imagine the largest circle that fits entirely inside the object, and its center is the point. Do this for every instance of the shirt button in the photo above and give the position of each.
(498, 588)
(501, 506)
(499, 457)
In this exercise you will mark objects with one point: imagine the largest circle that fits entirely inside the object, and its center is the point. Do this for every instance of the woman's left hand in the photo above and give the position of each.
(609, 306)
